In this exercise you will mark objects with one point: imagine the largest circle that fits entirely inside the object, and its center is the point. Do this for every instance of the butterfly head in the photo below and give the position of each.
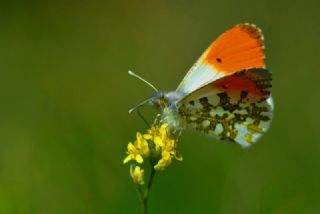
(159, 100)
(165, 99)
(168, 104)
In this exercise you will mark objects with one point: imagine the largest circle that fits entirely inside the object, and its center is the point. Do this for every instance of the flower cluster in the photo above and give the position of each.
(158, 145)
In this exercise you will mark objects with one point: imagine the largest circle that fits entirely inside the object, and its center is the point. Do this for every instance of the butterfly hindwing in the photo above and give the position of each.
(237, 108)
(239, 48)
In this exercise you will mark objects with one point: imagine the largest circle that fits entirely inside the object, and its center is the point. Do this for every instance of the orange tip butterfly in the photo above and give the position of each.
(226, 94)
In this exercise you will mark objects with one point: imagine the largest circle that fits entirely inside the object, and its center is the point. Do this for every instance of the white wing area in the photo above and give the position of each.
(198, 76)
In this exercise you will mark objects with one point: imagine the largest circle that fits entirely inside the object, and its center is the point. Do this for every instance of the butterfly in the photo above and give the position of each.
(226, 94)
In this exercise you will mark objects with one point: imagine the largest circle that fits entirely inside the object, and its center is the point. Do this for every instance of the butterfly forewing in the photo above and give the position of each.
(237, 108)
(239, 48)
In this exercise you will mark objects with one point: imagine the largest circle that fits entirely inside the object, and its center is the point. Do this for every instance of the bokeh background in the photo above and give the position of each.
(65, 92)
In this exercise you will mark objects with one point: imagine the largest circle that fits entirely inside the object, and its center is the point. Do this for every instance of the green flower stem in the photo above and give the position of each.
(144, 195)
(152, 174)
(143, 199)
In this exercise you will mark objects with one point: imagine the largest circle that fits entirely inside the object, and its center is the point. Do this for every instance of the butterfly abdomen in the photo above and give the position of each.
(174, 120)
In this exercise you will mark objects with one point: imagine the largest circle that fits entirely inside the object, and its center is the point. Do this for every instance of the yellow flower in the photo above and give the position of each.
(164, 161)
(137, 151)
(142, 145)
(159, 135)
(166, 144)
(133, 154)
(158, 144)
(137, 174)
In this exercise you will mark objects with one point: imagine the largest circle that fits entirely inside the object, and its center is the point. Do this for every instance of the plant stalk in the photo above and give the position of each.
(144, 195)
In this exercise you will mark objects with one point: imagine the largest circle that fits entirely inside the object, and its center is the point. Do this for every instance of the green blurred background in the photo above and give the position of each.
(65, 92)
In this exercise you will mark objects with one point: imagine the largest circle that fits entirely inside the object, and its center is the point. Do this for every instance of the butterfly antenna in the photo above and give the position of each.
(139, 105)
(143, 80)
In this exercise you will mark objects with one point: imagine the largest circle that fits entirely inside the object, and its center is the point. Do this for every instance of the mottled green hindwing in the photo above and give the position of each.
(232, 115)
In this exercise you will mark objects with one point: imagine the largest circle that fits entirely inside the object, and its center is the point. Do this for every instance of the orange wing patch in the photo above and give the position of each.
(253, 81)
(234, 83)
(239, 48)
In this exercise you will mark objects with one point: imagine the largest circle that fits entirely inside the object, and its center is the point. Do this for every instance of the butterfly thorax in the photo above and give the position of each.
(168, 104)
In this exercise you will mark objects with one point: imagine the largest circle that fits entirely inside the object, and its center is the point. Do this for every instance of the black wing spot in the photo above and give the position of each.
(243, 94)
(219, 60)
